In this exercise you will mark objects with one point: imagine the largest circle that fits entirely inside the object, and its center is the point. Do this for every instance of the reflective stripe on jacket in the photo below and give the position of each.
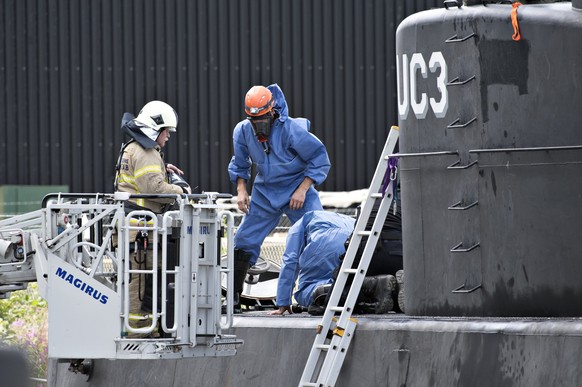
(142, 171)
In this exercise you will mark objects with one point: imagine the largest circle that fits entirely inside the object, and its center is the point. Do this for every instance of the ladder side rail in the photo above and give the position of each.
(323, 328)
(329, 373)
(366, 258)
(329, 314)
(360, 225)
(341, 279)
(362, 221)
(340, 283)
(166, 224)
(347, 263)
(339, 343)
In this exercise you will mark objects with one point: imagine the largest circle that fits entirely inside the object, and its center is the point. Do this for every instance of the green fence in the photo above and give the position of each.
(19, 199)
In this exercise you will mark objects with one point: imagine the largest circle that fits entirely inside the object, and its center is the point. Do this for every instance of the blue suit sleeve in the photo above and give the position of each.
(240, 164)
(313, 152)
(290, 266)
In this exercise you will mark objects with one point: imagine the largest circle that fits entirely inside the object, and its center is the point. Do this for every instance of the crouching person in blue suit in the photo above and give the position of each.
(314, 247)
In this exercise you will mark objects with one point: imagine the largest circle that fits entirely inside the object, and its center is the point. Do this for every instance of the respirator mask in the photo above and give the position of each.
(262, 124)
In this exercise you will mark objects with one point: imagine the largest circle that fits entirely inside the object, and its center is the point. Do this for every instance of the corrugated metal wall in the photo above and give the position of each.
(70, 68)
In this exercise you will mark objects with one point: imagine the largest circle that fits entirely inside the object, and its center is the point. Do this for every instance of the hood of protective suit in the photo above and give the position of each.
(279, 103)
(137, 131)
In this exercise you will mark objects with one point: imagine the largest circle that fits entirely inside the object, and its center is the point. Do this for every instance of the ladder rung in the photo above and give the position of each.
(337, 308)
(323, 347)
(350, 271)
(376, 195)
(309, 385)
(365, 233)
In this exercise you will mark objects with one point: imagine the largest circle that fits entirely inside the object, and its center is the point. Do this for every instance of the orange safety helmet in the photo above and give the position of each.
(258, 101)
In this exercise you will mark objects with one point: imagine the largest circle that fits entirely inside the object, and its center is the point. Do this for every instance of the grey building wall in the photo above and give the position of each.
(70, 68)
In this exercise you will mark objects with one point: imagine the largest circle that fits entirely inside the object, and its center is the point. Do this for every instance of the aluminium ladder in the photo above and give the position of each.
(327, 354)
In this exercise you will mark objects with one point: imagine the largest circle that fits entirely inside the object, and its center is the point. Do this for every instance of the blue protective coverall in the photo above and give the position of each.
(294, 154)
(314, 245)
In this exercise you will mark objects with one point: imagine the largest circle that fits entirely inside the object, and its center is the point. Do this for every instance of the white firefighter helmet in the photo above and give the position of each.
(156, 116)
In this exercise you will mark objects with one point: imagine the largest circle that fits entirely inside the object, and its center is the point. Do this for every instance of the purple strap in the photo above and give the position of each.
(390, 173)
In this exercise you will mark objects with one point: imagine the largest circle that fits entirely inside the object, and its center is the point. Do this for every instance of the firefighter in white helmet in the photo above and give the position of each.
(141, 169)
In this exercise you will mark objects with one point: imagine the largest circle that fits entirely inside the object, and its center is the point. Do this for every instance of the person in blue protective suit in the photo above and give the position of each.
(289, 161)
(314, 246)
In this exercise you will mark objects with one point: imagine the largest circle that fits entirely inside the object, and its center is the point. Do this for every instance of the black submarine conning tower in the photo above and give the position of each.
(491, 160)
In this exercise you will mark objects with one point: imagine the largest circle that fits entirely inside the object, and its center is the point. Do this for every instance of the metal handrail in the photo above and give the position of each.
(166, 220)
(229, 268)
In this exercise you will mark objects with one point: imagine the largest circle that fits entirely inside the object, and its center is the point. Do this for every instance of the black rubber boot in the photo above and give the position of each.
(241, 267)
(319, 296)
(380, 288)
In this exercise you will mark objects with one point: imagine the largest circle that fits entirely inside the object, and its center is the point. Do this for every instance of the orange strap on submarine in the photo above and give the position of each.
(516, 35)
